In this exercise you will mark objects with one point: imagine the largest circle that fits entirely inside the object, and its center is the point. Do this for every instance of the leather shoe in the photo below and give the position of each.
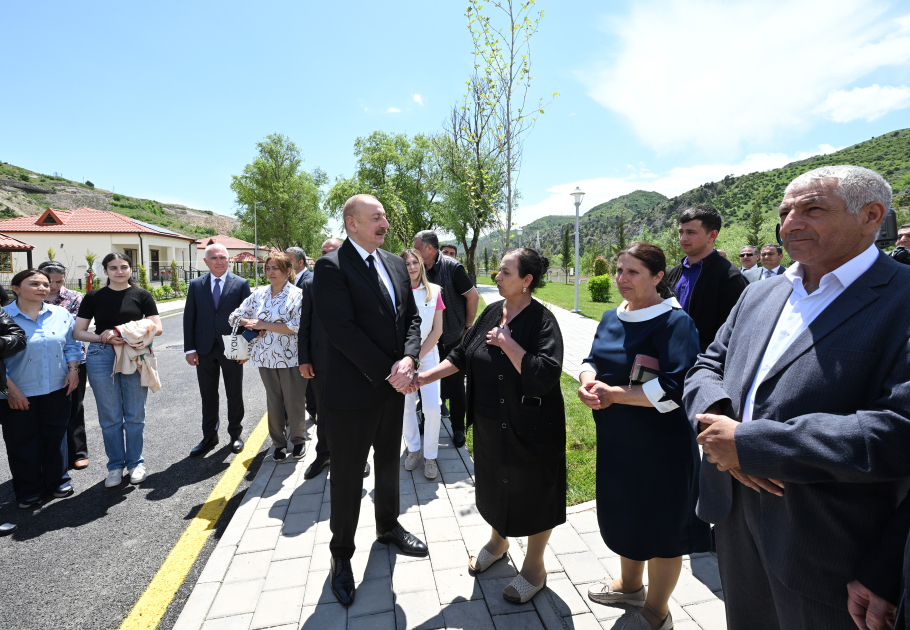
(407, 542)
(204, 446)
(342, 581)
(322, 460)
(458, 438)
(237, 446)
(81, 463)
(366, 470)
(8, 528)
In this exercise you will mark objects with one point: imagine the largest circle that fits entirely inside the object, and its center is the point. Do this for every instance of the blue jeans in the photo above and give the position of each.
(121, 407)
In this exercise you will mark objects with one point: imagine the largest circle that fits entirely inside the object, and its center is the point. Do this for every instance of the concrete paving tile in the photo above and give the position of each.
(439, 508)
(370, 565)
(468, 515)
(454, 465)
(299, 523)
(421, 480)
(457, 585)
(719, 594)
(296, 546)
(312, 486)
(410, 577)
(323, 532)
(457, 478)
(217, 564)
(323, 617)
(448, 453)
(321, 558)
(518, 621)
(365, 539)
(584, 522)
(273, 499)
(259, 540)
(305, 503)
(318, 589)
(325, 513)
(581, 567)
(499, 605)
(613, 566)
(428, 492)
(679, 613)
(371, 598)
(418, 611)
(566, 540)
(412, 522)
(268, 517)
(448, 555)
(710, 615)
(408, 503)
(236, 598)
(441, 529)
(468, 616)
(197, 606)
(475, 536)
(586, 621)
(249, 566)
(276, 608)
(705, 571)
(561, 595)
(596, 544)
(238, 622)
(689, 590)
(287, 574)
(502, 569)
(383, 621)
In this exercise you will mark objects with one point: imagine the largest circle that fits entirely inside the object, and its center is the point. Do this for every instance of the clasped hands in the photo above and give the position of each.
(716, 437)
(596, 395)
(403, 376)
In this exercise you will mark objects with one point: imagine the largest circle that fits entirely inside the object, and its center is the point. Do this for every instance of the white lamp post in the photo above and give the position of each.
(518, 229)
(578, 196)
(256, 241)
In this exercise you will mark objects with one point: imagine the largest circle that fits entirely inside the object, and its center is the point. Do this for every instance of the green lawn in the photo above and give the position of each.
(563, 295)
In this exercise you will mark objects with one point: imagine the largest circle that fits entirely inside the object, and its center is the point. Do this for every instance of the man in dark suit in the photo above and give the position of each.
(209, 301)
(802, 404)
(364, 300)
(303, 275)
(771, 255)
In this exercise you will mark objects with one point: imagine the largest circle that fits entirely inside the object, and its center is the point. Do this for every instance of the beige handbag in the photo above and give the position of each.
(236, 347)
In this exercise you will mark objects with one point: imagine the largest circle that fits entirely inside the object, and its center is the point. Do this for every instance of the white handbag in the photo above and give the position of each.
(236, 347)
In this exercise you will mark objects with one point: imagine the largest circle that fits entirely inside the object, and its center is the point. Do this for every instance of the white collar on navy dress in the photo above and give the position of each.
(644, 314)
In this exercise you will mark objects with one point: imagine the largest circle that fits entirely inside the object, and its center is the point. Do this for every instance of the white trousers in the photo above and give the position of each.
(432, 415)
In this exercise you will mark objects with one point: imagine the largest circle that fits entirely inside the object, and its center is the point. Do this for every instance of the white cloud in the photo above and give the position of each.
(672, 183)
(870, 103)
(713, 74)
(393, 110)
(418, 99)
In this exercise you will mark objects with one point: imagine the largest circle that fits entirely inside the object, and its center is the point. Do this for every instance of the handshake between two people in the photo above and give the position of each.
(404, 378)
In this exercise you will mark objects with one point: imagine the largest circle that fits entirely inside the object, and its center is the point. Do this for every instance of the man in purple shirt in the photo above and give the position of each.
(707, 285)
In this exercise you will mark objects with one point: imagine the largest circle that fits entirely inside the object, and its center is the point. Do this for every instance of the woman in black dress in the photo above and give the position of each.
(647, 458)
(513, 360)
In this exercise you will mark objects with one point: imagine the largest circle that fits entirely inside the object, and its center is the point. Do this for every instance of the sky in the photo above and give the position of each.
(167, 100)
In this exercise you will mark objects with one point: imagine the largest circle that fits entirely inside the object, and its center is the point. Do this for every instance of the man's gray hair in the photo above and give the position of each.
(212, 246)
(297, 253)
(428, 237)
(856, 185)
(752, 247)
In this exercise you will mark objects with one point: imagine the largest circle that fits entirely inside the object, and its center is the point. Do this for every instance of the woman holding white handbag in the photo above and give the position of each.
(429, 303)
(275, 310)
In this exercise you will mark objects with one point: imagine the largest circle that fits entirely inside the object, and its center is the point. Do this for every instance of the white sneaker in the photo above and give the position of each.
(114, 478)
(138, 474)
(430, 469)
(411, 462)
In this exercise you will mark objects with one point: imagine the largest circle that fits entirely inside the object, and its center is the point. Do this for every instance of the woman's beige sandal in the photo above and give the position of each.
(520, 591)
(483, 560)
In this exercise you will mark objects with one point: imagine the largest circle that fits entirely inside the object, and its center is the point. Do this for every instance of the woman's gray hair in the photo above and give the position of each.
(856, 185)
(52, 266)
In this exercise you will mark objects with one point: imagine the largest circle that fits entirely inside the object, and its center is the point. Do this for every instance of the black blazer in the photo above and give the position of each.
(312, 340)
(831, 420)
(203, 324)
(367, 338)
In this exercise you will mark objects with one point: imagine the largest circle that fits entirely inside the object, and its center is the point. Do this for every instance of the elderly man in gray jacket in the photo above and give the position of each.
(803, 408)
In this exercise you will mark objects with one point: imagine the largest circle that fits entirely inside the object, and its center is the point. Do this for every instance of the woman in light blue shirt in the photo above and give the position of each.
(40, 379)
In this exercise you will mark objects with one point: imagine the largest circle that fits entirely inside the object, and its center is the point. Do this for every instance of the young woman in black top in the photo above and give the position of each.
(120, 398)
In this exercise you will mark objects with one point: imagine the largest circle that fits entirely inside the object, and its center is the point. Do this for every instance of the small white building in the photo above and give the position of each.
(72, 233)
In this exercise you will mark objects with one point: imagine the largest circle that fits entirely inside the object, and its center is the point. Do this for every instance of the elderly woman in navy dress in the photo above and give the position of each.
(647, 458)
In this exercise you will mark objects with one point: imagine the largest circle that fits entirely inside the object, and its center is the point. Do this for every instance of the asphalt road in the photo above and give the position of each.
(83, 562)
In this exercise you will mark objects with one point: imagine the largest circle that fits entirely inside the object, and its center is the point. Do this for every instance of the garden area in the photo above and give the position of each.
(563, 295)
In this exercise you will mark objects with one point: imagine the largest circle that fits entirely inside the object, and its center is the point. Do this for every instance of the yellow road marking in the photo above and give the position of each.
(172, 315)
(157, 597)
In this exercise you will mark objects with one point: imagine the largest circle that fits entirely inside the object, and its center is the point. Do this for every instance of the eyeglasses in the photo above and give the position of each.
(746, 255)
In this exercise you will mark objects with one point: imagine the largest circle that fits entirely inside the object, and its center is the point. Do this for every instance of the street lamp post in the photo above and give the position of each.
(518, 229)
(578, 196)
(256, 241)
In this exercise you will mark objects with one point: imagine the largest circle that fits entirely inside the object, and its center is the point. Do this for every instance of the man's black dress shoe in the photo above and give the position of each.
(8, 528)
(322, 460)
(204, 446)
(342, 580)
(458, 438)
(407, 542)
(443, 410)
(366, 470)
(237, 446)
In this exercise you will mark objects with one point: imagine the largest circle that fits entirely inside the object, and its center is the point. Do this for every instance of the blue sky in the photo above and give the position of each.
(167, 100)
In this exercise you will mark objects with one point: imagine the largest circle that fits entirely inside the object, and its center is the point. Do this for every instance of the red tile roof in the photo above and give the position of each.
(229, 242)
(8, 242)
(244, 257)
(83, 220)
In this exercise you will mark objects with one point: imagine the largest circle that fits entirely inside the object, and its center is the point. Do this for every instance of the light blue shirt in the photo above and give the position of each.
(41, 368)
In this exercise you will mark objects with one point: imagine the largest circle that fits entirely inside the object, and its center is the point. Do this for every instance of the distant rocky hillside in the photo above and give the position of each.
(24, 192)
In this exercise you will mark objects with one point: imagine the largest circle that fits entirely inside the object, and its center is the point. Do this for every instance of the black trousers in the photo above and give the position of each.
(452, 388)
(36, 443)
(207, 372)
(755, 599)
(315, 388)
(77, 445)
(311, 400)
(351, 433)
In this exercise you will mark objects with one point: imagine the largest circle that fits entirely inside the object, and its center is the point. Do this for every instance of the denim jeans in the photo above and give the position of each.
(121, 408)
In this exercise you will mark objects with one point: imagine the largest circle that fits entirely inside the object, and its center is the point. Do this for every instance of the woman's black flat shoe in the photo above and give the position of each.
(8, 528)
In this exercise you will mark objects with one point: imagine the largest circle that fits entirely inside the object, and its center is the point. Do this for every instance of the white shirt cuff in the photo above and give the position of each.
(587, 367)
(655, 392)
(190, 351)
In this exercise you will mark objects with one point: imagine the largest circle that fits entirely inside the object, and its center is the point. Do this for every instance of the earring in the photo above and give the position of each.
(524, 289)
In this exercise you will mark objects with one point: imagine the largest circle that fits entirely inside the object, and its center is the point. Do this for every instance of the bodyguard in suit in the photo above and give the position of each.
(748, 258)
(303, 275)
(771, 255)
(802, 404)
(364, 299)
(209, 301)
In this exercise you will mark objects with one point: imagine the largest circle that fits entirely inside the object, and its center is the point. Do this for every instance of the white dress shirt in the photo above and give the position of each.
(801, 309)
(383, 273)
(769, 273)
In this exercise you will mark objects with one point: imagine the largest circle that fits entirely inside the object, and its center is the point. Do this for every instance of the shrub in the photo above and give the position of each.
(493, 275)
(157, 293)
(175, 278)
(601, 266)
(143, 277)
(23, 177)
(89, 184)
(168, 291)
(599, 287)
(182, 287)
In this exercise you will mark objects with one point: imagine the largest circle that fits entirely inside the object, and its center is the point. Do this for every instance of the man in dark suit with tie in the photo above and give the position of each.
(209, 301)
(364, 299)
(771, 255)
(803, 407)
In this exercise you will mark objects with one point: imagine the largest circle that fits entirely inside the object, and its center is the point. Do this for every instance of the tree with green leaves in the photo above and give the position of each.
(566, 250)
(486, 258)
(620, 233)
(290, 212)
(755, 220)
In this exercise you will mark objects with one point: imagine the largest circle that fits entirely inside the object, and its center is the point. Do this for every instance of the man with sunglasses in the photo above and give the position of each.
(748, 258)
